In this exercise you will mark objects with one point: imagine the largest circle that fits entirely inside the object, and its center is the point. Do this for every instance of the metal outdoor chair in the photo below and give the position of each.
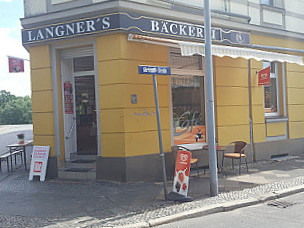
(238, 152)
(193, 161)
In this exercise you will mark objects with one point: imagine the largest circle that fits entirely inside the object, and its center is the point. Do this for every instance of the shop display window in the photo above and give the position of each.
(271, 92)
(188, 101)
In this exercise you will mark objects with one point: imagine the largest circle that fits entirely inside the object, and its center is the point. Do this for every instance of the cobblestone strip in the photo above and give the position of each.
(155, 213)
(161, 211)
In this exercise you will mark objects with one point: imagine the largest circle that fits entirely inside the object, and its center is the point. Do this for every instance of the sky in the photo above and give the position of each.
(11, 45)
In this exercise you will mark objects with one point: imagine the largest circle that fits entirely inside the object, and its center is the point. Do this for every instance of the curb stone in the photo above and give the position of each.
(135, 225)
(289, 191)
(216, 208)
(211, 209)
(232, 205)
(267, 197)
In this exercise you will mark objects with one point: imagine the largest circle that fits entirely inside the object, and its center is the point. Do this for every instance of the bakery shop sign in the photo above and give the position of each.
(130, 23)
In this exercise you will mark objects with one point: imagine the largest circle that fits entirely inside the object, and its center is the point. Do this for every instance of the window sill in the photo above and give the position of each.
(273, 8)
(276, 119)
(194, 146)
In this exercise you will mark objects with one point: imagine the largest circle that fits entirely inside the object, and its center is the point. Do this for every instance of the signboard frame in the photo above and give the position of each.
(39, 162)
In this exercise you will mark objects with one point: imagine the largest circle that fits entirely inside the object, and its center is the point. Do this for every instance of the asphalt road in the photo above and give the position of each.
(262, 215)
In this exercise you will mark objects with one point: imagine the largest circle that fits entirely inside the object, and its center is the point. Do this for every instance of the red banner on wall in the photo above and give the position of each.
(15, 65)
(264, 76)
(182, 170)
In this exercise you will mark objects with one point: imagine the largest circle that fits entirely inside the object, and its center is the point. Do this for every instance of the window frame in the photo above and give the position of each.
(274, 75)
(273, 4)
(186, 73)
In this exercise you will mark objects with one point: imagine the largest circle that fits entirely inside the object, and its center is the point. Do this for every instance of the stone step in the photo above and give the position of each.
(77, 174)
(75, 156)
(81, 163)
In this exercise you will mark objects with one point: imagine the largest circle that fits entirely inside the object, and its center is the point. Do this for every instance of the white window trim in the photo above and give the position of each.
(187, 73)
(276, 76)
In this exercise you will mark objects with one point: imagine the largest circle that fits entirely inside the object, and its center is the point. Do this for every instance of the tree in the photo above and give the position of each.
(5, 97)
(15, 110)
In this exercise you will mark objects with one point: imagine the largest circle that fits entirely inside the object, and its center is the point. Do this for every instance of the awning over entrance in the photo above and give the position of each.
(190, 48)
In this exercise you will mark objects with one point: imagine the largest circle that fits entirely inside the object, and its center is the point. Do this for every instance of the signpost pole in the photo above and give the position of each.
(162, 155)
(210, 103)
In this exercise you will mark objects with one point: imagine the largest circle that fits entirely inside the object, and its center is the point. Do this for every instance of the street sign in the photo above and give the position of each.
(156, 70)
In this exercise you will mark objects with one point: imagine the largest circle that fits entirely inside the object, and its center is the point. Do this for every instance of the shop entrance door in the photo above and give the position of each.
(69, 115)
(79, 106)
(86, 115)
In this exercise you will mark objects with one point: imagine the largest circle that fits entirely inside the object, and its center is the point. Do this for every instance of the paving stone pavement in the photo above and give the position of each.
(57, 203)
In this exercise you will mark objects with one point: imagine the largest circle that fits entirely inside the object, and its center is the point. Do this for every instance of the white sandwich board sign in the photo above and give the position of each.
(39, 162)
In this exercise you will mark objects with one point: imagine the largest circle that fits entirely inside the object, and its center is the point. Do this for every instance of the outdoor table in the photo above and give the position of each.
(218, 149)
(16, 147)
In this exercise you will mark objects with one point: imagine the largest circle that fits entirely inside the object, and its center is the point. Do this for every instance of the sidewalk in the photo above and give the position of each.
(56, 203)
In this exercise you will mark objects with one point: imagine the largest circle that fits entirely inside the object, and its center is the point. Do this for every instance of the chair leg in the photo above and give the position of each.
(240, 166)
(197, 169)
(232, 163)
(0, 166)
(7, 164)
(246, 164)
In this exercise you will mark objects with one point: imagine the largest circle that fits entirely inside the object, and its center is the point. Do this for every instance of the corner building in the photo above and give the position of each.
(89, 102)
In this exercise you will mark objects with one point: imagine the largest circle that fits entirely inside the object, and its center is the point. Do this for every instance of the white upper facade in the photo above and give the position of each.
(284, 15)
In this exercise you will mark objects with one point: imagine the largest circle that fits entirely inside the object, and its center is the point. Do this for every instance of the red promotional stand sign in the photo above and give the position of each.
(264, 76)
(182, 170)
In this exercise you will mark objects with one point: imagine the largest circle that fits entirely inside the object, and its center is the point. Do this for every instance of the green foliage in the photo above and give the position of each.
(15, 110)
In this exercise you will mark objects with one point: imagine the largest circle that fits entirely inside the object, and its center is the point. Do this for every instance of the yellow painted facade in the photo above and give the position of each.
(231, 99)
(276, 129)
(42, 97)
(130, 129)
(294, 89)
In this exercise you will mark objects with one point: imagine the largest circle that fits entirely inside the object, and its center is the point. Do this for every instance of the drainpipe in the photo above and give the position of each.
(226, 8)
(273, 48)
(250, 111)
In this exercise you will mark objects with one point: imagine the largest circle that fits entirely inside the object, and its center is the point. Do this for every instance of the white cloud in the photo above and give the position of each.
(16, 83)
(6, 0)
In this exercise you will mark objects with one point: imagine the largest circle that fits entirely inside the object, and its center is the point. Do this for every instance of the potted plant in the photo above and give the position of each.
(20, 136)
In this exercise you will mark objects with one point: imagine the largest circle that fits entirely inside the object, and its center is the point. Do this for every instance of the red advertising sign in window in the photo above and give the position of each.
(182, 169)
(264, 76)
(68, 98)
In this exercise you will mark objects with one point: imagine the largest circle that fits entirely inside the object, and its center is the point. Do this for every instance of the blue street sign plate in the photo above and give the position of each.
(158, 70)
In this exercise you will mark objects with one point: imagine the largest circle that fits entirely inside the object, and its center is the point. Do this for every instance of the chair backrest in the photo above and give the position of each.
(239, 146)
